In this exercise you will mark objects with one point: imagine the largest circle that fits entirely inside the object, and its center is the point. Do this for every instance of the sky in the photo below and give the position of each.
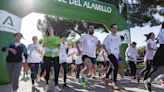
(29, 29)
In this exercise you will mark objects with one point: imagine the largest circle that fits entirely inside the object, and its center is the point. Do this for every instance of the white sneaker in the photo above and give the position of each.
(57, 88)
(26, 76)
(38, 79)
(77, 80)
(36, 84)
(52, 76)
(46, 87)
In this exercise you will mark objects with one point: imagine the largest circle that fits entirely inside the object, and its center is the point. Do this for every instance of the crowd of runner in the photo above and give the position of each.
(83, 59)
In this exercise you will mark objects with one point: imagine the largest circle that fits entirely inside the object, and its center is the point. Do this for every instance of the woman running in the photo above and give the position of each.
(51, 56)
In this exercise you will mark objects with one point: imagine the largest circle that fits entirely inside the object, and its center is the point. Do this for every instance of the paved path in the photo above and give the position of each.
(93, 86)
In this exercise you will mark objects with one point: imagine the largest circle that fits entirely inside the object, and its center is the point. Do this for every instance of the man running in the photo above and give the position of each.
(112, 45)
(89, 43)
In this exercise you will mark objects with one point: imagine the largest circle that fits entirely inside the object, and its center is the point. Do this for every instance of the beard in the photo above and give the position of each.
(114, 32)
(91, 33)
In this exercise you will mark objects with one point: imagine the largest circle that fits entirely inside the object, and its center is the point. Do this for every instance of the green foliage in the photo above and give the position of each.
(137, 12)
(140, 12)
(141, 51)
(64, 26)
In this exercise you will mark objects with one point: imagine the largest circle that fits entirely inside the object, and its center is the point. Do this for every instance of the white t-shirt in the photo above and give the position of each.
(161, 36)
(63, 53)
(150, 53)
(89, 44)
(106, 56)
(132, 52)
(102, 56)
(112, 44)
(17, 44)
(78, 58)
(33, 55)
(71, 55)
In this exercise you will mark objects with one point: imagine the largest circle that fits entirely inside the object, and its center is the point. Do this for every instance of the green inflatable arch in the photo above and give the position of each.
(11, 12)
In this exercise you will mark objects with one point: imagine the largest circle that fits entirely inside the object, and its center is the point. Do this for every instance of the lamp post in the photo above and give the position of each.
(128, 21)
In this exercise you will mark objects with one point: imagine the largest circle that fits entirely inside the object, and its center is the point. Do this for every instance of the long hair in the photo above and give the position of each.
(47, 33)
(148, 35)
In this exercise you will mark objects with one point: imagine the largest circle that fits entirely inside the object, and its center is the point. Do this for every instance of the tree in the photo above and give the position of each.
(141, 12)
(64, 26)
(141, 51)
(137, 12)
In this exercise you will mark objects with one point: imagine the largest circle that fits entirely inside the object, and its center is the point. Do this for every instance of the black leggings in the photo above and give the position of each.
(114, 61)
(65, 68)
(133, 68)
(34, 71)
(147, 70)
(52, 62)
(78, 70)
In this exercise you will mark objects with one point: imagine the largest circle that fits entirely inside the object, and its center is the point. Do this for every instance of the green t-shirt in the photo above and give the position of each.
(51, 43)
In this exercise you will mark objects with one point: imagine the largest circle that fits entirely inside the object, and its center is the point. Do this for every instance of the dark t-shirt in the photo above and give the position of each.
(21, 50)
